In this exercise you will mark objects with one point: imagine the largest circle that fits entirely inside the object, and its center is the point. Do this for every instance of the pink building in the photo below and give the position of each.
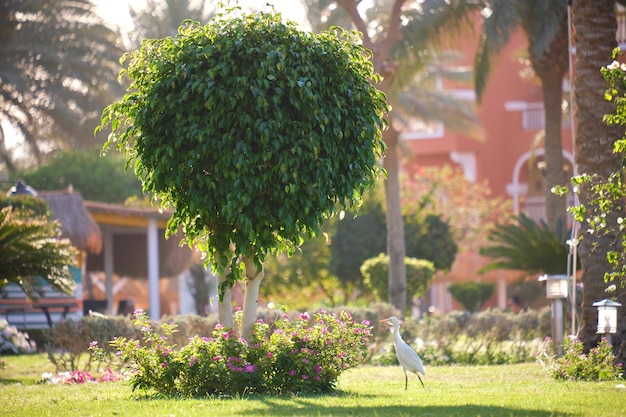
(508, 158)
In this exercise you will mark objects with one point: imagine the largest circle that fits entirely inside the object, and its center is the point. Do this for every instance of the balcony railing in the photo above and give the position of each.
(535, 208)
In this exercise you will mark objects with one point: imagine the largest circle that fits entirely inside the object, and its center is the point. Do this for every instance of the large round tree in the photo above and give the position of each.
(252, 131)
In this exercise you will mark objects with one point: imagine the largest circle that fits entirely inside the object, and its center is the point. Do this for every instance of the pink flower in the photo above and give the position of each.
(292, 372)
(304, 316)
(218, 326)
(249, 368)
(305, 360)
(305, 376)
(270, 355)
(226, 335)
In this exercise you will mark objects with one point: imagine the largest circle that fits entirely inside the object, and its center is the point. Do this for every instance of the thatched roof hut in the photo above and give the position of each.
(77, 225)
(128, 226)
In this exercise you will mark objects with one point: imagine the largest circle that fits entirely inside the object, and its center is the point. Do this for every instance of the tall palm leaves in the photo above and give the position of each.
(544, 24)
(30, 248)
(58, 69)
(527, 246)
(395, 35)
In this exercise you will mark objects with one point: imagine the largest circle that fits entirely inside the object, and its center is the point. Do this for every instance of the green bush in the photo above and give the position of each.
(486, 338)
(419, 274)
(69, 340)
(597, 365)
(472, 295)
(295, 357)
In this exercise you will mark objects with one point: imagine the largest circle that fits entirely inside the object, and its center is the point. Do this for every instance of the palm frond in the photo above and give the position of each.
(30, 247)
(526, 245)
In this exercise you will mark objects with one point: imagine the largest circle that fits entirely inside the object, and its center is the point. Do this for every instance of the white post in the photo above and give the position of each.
(153, 269)
(108, 269)
(557, 325)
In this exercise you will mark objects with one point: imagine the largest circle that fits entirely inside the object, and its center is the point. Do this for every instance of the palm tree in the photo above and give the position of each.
(544, 24)
(595, 25)
(525, 245)
(58, 70)
(161, 18)
(409, 67)
(29, 248)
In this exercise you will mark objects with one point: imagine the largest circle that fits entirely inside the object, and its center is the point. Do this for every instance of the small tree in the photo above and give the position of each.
(252, 131)
(419, 274)
(472, 295)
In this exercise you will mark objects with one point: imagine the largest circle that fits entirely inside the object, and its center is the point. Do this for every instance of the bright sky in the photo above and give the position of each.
(116, 11)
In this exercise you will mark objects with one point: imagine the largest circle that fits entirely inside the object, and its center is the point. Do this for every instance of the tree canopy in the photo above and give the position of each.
(251, 130)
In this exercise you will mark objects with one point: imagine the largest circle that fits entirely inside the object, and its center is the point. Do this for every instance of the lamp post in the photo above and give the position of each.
(556, 290)
(607, 317)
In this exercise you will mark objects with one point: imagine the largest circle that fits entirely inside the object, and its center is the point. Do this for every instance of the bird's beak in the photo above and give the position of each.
(385, 321)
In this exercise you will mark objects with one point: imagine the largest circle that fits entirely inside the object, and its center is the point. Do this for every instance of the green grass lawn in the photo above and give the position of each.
(514, 390)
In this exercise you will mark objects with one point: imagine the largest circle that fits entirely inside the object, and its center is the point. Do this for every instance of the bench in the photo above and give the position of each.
(25, 314)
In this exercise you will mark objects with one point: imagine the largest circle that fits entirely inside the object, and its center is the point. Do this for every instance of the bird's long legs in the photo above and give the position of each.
(406, 380)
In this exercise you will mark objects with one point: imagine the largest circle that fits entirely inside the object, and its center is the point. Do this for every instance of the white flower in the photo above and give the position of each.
(611, 288)
(620, 386)
(613, 65)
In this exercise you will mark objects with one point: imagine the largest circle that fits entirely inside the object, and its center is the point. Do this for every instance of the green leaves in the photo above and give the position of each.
(527, 246)
(30, 248)
(251, 129)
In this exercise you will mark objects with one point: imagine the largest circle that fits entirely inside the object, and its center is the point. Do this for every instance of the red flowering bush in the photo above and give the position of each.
(292, 356)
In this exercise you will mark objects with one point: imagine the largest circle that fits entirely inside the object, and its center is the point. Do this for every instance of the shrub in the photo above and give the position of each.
(294, 357)
(597, 365)
(472, 295)
(69, 340)
(489, 337)
(419, 274)
(13, 341)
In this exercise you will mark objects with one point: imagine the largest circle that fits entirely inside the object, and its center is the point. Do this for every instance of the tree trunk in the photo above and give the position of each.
(551, 66)
(595, 26)
(251, 296)
(556, 207)
(396, 248)
(224, 306)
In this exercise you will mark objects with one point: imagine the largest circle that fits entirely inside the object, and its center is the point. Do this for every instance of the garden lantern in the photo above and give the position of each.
(607, 317)
(556, 290)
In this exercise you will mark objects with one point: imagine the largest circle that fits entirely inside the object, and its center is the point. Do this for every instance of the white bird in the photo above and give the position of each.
(409, 360)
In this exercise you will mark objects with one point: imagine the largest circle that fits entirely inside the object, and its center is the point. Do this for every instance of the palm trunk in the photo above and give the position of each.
(551, 65)
(396, 248)
(595, 25)
(251, 296)
(552, 87)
